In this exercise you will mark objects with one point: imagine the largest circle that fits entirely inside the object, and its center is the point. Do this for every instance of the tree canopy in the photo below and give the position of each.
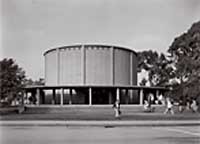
(30, 82)
(11, 80)
(185, 56)
(157, 65)
(180, 69)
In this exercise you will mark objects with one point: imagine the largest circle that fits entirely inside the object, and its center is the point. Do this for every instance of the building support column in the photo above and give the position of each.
(53, 98)
(157, 93)
(37, 96)
(127, 90)
(33, 94)
(131, 96)
(110, 97)
(24, 97)
(70, 96)
(90, 96)
(43, 96)
(141, 96)
(118, 94)
(61, 96)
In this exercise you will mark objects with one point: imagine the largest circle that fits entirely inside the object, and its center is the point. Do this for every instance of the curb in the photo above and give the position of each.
(106, 124)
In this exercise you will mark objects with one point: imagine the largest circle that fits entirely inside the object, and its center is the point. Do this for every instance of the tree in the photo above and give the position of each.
(40, 81)
(146, 59)
(143, 82)
(11, 80)
(158, 67)
(30, 82)
(185, 56)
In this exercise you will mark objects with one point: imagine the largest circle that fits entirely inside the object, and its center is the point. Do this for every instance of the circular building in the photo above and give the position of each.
(94, 65)
(94, 70)
(90, 74)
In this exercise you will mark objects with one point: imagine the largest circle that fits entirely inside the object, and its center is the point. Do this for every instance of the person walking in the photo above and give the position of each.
(161, 99)
(150, 100)
(169, 106)
(194, 106)
(146, 106)
(188, 102)
(116, 107)
(180, 105)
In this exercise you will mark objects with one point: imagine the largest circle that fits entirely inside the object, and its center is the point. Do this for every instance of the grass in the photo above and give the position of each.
(96, 113)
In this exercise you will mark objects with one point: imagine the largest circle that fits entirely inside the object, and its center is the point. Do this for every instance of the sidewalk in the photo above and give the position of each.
(103, 123)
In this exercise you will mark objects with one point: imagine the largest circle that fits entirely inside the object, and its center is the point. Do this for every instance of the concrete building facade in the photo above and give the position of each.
(90, 74)
(90, 65)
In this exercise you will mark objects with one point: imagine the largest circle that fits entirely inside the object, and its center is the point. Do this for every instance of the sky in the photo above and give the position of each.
(30, 27)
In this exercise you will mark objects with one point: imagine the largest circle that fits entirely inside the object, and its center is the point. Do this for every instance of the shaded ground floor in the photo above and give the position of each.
(90, 95)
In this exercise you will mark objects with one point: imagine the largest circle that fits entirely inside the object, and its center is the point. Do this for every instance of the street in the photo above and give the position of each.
(99, 135)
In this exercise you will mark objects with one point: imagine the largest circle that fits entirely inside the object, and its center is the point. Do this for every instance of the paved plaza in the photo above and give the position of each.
(99, 135)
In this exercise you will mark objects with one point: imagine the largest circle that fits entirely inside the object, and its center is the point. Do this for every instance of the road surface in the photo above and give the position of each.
(99, 135)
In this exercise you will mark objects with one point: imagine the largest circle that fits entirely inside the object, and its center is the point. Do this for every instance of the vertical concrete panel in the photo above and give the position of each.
(71, 67)
(131, 68)
(58, 65)
(51, 68)
(134, 69)
(83, 66)
(62, 66)
(98, 66)
(45, 68)
(112, 65)
(122, 67)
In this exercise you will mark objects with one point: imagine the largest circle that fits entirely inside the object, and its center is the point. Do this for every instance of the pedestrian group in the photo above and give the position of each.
(189, 104)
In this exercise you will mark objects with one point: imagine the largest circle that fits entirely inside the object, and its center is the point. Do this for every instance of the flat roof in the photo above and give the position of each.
(95, 86)
(87, 45)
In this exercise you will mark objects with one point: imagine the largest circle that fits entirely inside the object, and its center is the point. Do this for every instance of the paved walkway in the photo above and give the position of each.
(99, 135)
(104, 123)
